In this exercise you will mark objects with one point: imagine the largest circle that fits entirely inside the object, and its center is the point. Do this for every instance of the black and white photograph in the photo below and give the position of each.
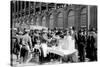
(49, 33)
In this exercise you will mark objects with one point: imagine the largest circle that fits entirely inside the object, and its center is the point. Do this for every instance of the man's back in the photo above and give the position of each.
(26, 38)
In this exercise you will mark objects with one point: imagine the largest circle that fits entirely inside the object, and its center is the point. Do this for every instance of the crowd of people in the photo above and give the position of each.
(30, 42)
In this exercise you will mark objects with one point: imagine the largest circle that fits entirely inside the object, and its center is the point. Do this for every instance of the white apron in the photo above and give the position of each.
(44, 47)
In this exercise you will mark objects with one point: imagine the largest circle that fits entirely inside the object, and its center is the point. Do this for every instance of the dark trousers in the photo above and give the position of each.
(24, 54)
(93, 56)
(91, 53)
(81, 54)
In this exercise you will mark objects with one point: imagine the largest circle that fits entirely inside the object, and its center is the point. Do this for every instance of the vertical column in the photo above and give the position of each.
(55, 16)
(47, 17)
(29, 8)
(17, 8)
(14, 6)
(34, 7)
(34, 13)
(40, 18)
(21, 7)
(95, 17)
(40, 7)
(47, 6)
(29, 17)
(55, 5)
(87, 20)
(21, 11)
(24, 8)
(65, 22)
(11, 13)
(47, 22)
(88, 24)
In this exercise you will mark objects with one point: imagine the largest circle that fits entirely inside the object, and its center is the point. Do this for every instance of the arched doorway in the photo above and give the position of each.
(83, 17)
(60, 20)
(51, 23)
(71, 18)
(44, 21)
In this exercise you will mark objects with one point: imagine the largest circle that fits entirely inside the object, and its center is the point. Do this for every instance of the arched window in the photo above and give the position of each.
(60, 20)
(44, 21)
(37, 21)
(83, 17)
(51, 23)
(71, 18)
